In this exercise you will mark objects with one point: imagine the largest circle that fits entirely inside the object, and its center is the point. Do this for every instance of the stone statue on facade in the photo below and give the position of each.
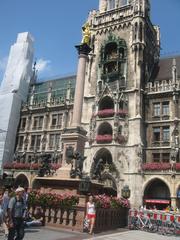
(46, 168)
(173, 157)
(18, 157)
(97, 168)
(78, 168)
(76, 159)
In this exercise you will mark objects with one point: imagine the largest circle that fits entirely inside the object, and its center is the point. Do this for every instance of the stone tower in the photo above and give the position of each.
(125, 49)
(13, 92)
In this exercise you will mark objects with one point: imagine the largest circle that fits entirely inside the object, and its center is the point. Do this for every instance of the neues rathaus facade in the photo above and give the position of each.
(130, 109)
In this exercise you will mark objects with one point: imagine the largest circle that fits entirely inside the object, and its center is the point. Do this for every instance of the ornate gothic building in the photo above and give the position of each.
(130, 109)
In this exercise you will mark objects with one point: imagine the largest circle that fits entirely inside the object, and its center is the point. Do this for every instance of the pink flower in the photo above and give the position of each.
(122, 112)
(106, 113)
(156, 166)
(106, 138)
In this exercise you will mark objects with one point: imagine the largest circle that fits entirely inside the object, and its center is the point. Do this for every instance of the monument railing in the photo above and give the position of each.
(108, 219)
(73, 218)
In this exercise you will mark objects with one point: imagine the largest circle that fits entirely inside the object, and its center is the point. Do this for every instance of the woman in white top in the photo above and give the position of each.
(91, 213)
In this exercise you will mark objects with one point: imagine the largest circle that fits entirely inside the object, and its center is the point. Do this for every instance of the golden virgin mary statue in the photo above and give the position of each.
(86, 34)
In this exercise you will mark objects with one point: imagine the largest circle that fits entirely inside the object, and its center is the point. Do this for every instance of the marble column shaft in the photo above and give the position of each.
(79, 90)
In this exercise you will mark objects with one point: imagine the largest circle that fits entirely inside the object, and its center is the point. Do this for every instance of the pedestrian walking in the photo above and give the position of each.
(91, 213)
(16, 215)
(3, 217)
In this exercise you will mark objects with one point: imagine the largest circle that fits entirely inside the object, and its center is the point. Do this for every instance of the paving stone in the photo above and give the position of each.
(120, 234)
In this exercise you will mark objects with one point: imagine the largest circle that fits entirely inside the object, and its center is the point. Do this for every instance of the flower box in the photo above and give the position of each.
(52, 200)
(107, 138)
(122, 113)
(106, 113)
(177, 166)
(153, 166)
(107, 202)
(27, 166)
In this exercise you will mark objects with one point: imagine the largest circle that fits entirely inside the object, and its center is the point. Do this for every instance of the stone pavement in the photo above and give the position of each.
(120, 234)
(134, 235)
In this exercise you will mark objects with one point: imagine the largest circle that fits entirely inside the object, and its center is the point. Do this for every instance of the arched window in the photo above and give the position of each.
(111, 51)
(140, 31)
(104, 133)
(113, 61)
(106, 103)
(105, 129)
(135, 31)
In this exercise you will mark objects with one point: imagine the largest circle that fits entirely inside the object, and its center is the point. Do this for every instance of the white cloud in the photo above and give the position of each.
(43, 65)
(3, 63)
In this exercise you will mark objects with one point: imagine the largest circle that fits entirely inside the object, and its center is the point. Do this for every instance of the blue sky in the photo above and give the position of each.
(56, 28)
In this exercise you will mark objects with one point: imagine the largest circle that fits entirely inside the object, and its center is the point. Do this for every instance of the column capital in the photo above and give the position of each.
(83, 49)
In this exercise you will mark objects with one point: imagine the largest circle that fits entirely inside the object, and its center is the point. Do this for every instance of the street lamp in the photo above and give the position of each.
(125, 192)
(84, 185)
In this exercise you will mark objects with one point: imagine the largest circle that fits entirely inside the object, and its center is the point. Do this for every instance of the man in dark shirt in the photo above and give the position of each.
(16, 213)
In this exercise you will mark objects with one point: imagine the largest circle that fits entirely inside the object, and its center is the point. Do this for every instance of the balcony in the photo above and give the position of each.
(161, 166)
(105, 113)
(36, 128)
(156, 166)
(111, 76)
(160, 143)
(122, 113)
(41, 104)
(56, 126)
(107, 138)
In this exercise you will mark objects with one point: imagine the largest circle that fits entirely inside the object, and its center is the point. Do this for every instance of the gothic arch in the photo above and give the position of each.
(105, 128)
(157, 192)
(106, 103)
(177, 188)
(105, 154)
(21, 180)
(152, 179)
(109, 173)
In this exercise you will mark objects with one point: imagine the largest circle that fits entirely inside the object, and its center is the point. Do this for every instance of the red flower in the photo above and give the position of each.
(106, 113)
(177, 166)
(156, 166)
(104, 201)
(106, 138)
(122, 112)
